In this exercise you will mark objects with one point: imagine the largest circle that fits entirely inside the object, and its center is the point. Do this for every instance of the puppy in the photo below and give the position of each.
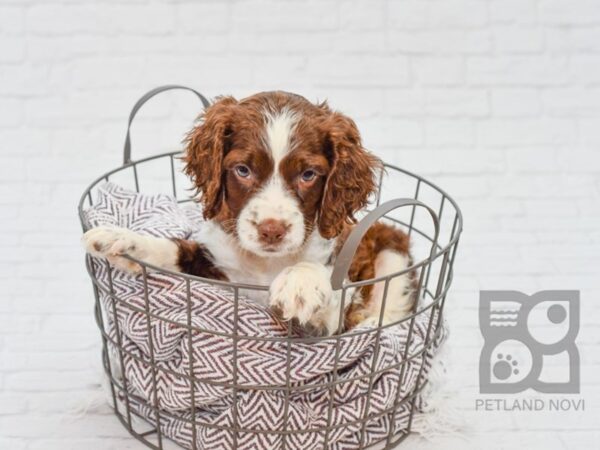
(279, 180)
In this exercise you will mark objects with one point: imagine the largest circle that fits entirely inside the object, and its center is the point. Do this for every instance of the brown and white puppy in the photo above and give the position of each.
(280, 180)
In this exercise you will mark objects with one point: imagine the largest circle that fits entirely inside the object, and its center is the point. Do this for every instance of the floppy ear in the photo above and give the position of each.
(206, 145)
(352, 178)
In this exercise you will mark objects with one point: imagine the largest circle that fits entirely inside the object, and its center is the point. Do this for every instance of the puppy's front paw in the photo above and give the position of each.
(303, 292)
(112, 243)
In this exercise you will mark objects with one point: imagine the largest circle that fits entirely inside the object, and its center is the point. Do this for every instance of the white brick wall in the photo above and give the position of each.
(498, 101)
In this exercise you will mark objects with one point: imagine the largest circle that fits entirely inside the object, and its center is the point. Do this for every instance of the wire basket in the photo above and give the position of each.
(425, 212)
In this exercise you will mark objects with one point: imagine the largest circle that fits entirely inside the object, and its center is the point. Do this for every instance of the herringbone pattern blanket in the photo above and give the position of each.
(261, 365)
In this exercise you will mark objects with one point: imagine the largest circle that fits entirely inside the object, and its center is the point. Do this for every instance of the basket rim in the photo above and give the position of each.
(439, 250)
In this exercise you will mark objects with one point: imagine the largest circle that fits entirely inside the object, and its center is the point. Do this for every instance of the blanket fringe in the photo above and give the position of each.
(99, 401)
(440, 415)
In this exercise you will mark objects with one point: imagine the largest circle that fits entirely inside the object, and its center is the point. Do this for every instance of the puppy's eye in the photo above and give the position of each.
(308, 175)
(242, 171)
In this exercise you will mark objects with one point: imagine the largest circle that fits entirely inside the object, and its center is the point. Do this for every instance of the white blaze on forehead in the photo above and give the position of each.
(278, 133)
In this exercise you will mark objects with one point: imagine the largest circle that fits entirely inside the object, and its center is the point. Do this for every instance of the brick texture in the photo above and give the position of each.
(497, 101)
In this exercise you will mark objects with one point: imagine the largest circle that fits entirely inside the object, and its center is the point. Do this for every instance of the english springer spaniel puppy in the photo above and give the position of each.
(280, 180)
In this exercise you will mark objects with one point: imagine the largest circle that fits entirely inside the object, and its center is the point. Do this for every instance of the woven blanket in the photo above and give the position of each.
(260, 365)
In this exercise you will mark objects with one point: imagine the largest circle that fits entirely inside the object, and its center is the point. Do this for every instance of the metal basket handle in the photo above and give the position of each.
(346, 254)
(147, 96)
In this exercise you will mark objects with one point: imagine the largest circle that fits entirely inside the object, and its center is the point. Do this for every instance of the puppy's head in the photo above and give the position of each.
(273, 167)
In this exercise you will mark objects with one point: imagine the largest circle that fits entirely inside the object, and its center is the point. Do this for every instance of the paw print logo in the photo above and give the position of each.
(522, 333)
(505, 366)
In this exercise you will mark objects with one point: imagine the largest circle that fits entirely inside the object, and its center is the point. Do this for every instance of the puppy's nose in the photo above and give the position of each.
(272, 231)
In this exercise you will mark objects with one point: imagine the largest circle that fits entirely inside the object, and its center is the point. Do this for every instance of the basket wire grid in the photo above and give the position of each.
(438, 243)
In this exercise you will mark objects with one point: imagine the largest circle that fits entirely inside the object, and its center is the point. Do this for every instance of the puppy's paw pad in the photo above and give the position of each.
(301, 292)
(109, 241)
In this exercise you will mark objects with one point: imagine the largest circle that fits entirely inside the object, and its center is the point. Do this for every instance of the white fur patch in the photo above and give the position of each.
(278, 133)
(400, 297)
(242, 266)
